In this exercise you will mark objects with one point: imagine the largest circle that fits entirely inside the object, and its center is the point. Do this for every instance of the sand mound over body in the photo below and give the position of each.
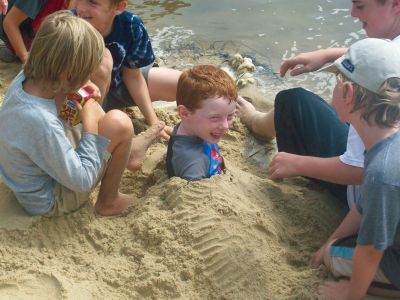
(234, 236)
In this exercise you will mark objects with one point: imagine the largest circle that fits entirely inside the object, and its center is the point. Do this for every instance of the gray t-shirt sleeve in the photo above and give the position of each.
(31, 8)
(380, 215)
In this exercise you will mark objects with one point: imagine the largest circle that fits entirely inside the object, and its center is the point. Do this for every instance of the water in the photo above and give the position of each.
(266, 30)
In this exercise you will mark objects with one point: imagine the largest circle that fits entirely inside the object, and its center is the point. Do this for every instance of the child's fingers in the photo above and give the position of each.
(93, 90)
(79, 105)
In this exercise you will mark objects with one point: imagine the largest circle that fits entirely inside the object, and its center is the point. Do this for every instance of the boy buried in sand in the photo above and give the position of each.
(206, 99)
(50, 166)
(366, 245)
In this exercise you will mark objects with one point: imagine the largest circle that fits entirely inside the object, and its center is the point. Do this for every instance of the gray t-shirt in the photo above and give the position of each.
(35, 153)
(31, 8)
(379, 204)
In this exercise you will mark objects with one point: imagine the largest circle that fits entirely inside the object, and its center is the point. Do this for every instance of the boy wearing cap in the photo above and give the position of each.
(310, 138)
(366, 245)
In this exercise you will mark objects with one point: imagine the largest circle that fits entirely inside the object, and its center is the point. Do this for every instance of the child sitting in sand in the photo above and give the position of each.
(20, 21)
(206, 99)
(134, 81)
(50, 166)
(366, 245)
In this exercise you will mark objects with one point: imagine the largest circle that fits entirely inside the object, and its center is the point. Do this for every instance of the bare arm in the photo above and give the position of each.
(310, 61)
(366, 261)
(330, 169)
(137, 87)
(11, 24)
(3, 6)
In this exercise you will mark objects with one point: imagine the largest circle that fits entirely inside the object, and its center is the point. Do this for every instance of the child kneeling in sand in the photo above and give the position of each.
(206, 99)
(366, 245)
(50, 166)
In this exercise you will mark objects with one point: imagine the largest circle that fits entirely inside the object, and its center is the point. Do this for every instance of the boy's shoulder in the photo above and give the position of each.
(382, 161)
(126, 26)
(129, 17)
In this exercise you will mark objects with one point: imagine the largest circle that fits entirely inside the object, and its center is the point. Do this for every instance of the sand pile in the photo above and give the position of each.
(234, 236)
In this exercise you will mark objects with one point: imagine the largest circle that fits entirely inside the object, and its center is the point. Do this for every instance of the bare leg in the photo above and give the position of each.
(141, 143)
(162, 83)
(102, 75)
(117, 126)
(260, 123)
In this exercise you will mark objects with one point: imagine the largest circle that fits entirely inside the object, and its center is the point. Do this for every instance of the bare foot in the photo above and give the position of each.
(141, 143)
(117, 207)
(261, 124)
(246, 111)
(166, 133)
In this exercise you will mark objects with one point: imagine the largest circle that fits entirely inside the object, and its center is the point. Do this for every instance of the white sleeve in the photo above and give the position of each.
(354, 155)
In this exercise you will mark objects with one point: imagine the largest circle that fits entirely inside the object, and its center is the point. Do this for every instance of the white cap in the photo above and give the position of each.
(369, 63)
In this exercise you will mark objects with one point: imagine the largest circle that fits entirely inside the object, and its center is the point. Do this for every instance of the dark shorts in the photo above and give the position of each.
(307, 125)
(119, 97)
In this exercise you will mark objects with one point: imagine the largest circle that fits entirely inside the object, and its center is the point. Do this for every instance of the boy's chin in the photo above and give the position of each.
(213, 140)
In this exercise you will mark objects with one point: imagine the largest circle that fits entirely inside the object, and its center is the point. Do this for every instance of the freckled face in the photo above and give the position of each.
(212, 120)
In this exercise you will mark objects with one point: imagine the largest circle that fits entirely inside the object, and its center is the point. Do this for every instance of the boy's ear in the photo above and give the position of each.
(349, 94)
(183, 111)
(120, 7)
(396, 7)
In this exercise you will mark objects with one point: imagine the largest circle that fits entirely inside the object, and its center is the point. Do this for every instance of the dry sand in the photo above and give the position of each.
(234, 236)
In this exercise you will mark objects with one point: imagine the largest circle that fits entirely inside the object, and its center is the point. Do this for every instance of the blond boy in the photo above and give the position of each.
(366, 245)
(51, 167)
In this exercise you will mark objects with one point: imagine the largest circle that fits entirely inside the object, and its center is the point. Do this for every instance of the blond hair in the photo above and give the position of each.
(64, 52)
(382, 108)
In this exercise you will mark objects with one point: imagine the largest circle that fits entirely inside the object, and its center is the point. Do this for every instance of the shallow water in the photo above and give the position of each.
(266, 30)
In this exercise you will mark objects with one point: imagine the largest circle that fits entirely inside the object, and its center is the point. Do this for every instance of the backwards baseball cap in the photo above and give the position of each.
(369, 63)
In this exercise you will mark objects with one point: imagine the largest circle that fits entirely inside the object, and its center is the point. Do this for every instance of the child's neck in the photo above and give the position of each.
(32, 88)
(372, 135)
(184, 130)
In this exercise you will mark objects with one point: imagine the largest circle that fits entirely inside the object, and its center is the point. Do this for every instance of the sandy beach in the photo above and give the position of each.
(234, 236)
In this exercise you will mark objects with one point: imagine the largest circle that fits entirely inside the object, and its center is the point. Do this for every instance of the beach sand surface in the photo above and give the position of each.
(234, 236)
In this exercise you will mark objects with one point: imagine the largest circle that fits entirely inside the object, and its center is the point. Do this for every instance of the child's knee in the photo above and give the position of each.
(119, 123)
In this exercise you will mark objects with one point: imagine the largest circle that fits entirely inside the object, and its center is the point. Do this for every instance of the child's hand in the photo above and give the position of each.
(3, 6)
(93, 89)
(318, 258)
(91, 113)
(334, 290)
